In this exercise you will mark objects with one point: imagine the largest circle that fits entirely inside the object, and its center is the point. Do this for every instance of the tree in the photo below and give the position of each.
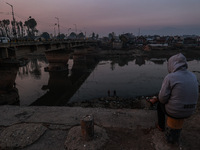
(13, 29)
(18, 29)
(45, 35)
(72, 35)
(5, 26)
(61, 36)
(111, 37)
(93, 35)
(97, 36)
(1, 28)
(124, 38)
(22, 28)
(81, 35)
(31, 26)
(1, 32)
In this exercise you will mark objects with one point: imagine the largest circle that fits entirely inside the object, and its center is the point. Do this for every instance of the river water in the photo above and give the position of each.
(129, 78)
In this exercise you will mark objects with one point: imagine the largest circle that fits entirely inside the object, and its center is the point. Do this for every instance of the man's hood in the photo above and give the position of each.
(177, 62)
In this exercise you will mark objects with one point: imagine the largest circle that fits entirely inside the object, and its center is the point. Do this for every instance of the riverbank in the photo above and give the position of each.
(115, 102)
(127, 124)
(30, 128)
(189, 53)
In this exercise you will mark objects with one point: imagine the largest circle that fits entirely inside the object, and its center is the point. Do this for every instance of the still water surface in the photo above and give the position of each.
(129, 80)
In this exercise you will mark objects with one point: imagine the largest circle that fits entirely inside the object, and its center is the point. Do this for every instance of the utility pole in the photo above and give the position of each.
(68, 30)
(85, 32)
(55, 30)
(58, 27)
(14, 29)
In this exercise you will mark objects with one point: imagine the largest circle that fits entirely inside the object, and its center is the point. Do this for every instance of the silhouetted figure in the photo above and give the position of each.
(108, 92)
(114, 93)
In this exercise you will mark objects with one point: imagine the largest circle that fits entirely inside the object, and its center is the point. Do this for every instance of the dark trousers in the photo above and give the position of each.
(172, 135)
(161, 112)
(161, 115)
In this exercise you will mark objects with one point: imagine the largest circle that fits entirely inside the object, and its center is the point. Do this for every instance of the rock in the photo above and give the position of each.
(20, 135)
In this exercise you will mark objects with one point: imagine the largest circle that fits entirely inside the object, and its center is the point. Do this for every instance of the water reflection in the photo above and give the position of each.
(35, 69)
(128, 81)
(140, 61)
(30, 79)
(121, 61)
(87, 78)
(32, 68)
(61, 86)
(158, 60)
(140, 77)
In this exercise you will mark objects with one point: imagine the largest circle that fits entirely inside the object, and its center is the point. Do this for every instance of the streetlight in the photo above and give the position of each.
(85, 31)
(54, 30)
(58, 26)
(14, 29)
(68, 30)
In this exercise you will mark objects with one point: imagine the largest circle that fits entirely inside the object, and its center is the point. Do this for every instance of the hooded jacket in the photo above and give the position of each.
(179, 91)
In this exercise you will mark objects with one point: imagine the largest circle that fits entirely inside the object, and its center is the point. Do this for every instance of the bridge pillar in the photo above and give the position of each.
(57, 59)
(3, 53)
(8, 92)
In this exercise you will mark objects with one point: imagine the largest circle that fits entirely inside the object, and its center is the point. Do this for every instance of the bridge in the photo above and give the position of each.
(21, 49)
(57, 52)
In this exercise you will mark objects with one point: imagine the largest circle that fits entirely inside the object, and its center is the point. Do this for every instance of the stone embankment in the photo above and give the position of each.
(58, 128)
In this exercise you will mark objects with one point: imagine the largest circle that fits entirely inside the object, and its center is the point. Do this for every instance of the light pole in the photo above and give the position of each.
(14, 29)
(55, 30)
(58, 26)
(68, 30)
(85, 32)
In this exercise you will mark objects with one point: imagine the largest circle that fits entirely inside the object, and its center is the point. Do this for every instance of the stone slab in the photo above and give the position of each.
(21, 135)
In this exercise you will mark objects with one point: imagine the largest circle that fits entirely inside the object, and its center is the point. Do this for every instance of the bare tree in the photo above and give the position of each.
(22, 28)
(18, 29)
(2, 34)
(1, 28)
(5, 24)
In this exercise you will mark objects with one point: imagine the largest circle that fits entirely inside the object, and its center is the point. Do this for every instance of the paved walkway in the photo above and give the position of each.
(41, 128)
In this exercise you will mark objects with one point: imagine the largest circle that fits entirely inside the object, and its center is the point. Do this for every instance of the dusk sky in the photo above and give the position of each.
(164, 17)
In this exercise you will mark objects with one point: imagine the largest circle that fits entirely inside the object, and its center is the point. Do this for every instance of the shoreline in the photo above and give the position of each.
(115, 102)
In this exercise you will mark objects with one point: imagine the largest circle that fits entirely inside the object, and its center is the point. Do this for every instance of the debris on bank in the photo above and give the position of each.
(115, 103)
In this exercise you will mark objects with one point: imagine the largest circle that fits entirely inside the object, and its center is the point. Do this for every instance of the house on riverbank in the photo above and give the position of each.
(129, 41)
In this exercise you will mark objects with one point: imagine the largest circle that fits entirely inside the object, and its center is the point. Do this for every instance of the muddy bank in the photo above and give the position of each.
(118, 103)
